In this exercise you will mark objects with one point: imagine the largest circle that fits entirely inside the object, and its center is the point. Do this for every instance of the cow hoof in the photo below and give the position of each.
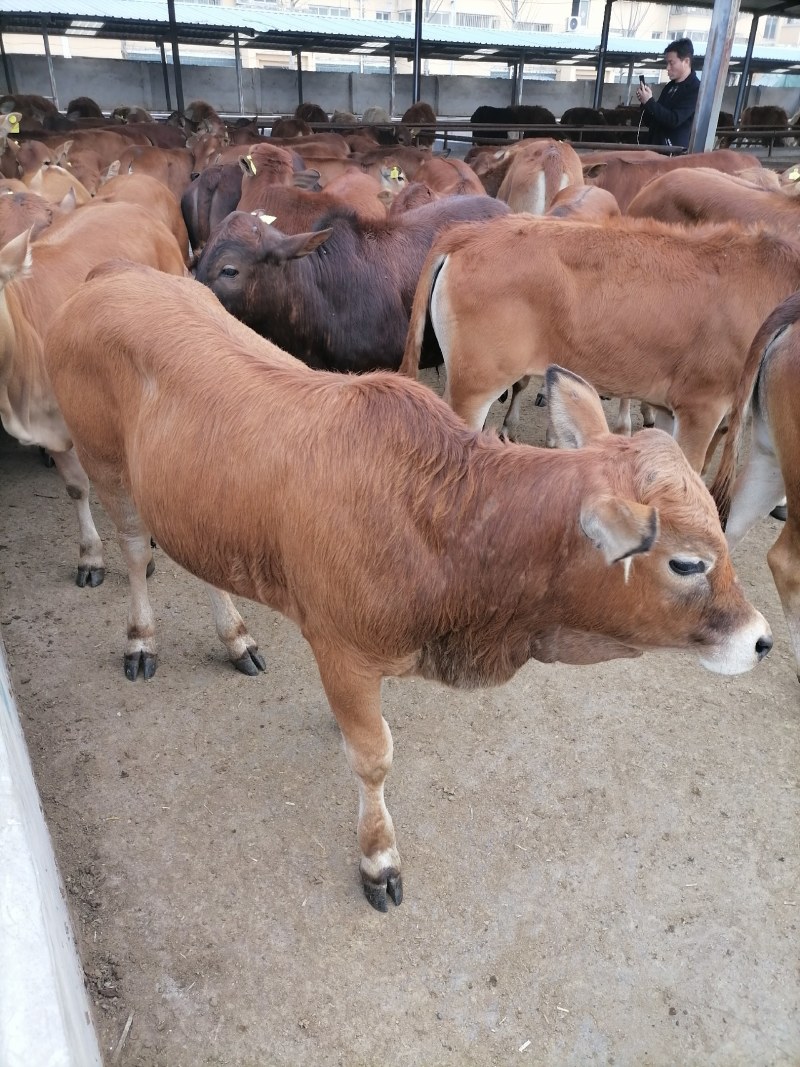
(91, 576)
(377, 893)
(251, 662)
(780, 512)
(146, 660)
(541, 400)
(47, 459)
(151, 566)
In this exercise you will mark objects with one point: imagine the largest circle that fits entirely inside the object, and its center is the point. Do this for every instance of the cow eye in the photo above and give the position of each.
(687, 566)
(228, 272)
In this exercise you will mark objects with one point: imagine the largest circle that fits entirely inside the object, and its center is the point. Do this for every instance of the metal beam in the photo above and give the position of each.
(50, 70)
(715, 68)
(165, 72)
(601, 58)
(299, 55)
(416, 91)
(392, 65)
(176, 58)
(518, 85)
(238, 58)
(744, 80)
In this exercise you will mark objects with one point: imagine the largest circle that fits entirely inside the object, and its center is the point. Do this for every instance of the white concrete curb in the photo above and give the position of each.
(44, 1011)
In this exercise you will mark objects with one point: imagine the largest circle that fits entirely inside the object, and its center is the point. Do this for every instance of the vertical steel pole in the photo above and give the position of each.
(741, 96)
(299, 77)
(238, 55)
(416, 91)
(10, 87)
(165, 72)
(715, 66)
(601, 58)
(520, 80)
(176, 58)
(50, 69)
(392, 65)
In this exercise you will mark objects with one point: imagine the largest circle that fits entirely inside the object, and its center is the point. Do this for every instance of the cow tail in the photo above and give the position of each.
(409, 364)
(780, 319)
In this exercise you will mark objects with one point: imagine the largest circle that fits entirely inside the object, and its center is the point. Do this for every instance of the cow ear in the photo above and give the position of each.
(247, 165)
(15, 258)
(576, 414)
(298, 245)
(111, 172)
(619, 528)
(307, 179)
(61, 154)
(593, 170)
(68, 201)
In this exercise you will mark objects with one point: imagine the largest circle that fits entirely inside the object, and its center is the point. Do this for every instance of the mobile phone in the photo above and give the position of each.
(641, 80)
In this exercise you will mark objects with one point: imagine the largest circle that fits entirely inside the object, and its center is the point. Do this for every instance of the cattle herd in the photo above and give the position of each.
(179, 301)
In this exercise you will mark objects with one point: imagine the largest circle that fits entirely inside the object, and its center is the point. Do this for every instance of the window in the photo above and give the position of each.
(657, 35)
(683, 9)
(477, 22)
(534, 27)
(383, 16)
(770, 28)
(583, 12)
(439, 18)
(322, 9)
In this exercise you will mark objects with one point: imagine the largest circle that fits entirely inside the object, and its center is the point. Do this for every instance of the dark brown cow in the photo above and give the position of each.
(212, 195)
(366, 512)
(770, 117)
(409, 133)
(339, 297)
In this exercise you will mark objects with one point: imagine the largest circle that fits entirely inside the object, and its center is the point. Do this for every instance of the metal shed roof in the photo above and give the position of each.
(206, 24)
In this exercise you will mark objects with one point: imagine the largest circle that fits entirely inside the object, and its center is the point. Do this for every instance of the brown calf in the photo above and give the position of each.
(364, 510)
(770, 387)
(643, 310)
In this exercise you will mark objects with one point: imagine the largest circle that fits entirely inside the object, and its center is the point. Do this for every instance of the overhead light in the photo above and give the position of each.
(586, 55)
(362, 51)
(82, 29)
(375, 44)
(781, 70)
(565, 62)
(486, 51)
(472, 55)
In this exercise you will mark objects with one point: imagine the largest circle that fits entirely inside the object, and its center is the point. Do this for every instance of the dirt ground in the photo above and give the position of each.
(601, 863)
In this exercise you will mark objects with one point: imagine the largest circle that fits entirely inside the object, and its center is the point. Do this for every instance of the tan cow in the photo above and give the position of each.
(641, 309)
(771, 387)
(529, 174)
(700, 195)
(151, 196)
(586, 203)
(625, 176)
(35, 279)
(363, 509)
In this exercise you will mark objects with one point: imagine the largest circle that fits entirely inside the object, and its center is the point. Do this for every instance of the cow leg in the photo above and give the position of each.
(663, 419)
(784, 562)
(90, 560)
(470, 408)
(758, 487)
(355, 699)
(511, 421)
(694, 432)
(648, 414)
(624, 425)
(232, 632)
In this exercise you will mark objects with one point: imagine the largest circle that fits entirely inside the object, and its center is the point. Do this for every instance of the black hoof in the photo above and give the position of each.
(91, 576)
(146, 660)
(780, 512)
(541, 400)
(151, 566)
(47, 459)
(378, 893)
(251, 662)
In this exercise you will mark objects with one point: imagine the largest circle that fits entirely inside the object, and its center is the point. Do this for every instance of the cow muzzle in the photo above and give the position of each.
(742, 650)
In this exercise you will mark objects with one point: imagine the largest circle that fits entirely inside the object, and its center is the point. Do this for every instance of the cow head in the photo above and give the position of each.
(666, 578)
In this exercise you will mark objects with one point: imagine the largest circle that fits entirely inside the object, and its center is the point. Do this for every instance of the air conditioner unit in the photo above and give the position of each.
(573, 23)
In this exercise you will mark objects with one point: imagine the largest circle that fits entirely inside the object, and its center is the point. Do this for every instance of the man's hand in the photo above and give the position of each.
(644, 93)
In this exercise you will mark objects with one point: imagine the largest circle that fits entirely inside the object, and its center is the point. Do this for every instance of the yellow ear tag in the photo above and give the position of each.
(268, 219)
(394, 173)
(794, 174)
(13, 123)
(250, 164)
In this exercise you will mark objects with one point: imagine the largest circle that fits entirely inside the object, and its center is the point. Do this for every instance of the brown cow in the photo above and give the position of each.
(35, 279)
(366, 512)
(263, 166)
(538, 171)
(624, 177)
(583, 202)
(409, 132)
(641, 309)
(20, 212)
(452, 177)
(770, 387)
(296, 210)
(151, 196)
(699, 195)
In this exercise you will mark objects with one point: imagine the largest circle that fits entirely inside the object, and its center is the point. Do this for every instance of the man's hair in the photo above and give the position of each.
(683, 48)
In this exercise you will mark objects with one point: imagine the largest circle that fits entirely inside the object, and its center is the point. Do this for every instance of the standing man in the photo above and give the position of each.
(669, 119)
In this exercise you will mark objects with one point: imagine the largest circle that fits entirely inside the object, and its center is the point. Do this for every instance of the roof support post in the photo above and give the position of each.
(10, 87)
(629, 83)
(392, 65)
(744, 80)
(165, 72)
(416, 91)
(601, 58)
(176, 59)
(50, 70)
(238, 58)
(715, 66)
(520, 79)
(299, 55)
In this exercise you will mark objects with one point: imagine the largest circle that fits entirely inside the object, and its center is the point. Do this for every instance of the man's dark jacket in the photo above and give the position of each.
(669, 119)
